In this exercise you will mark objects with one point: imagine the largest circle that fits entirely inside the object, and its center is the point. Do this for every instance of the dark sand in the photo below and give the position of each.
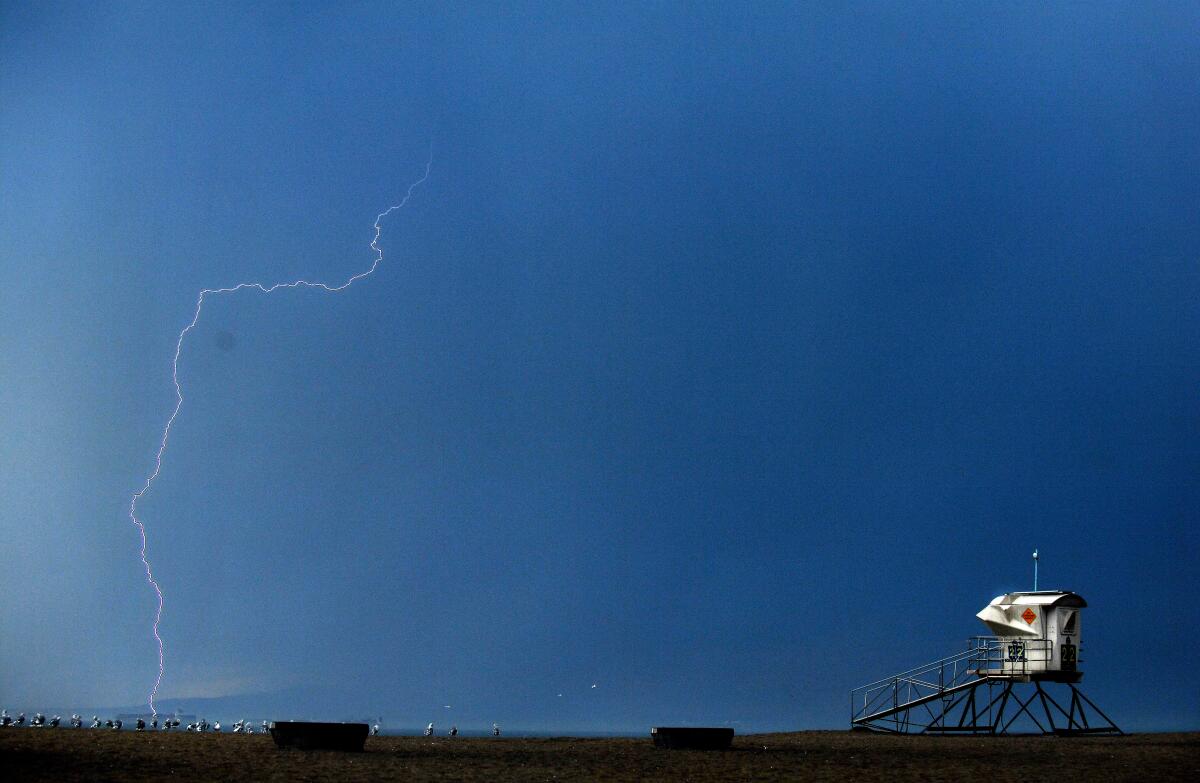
(98, 755)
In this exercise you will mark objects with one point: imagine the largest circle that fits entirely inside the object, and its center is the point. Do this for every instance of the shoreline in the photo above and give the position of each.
(89, 754)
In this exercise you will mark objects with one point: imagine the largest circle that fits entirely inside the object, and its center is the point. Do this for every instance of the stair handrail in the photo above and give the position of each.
(870, 693)
(920, 669)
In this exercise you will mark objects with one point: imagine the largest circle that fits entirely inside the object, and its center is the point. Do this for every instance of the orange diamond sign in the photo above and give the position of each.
(1028, 616)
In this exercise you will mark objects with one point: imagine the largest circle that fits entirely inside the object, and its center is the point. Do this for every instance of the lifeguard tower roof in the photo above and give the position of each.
(1041, 598)
(1025, 614)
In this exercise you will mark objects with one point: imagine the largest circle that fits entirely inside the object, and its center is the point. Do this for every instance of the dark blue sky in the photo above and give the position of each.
(730, 357)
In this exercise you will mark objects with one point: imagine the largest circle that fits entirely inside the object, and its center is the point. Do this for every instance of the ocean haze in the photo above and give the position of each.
(729, 358)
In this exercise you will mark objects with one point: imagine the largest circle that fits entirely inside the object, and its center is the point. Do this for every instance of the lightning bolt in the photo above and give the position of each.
(162, 445)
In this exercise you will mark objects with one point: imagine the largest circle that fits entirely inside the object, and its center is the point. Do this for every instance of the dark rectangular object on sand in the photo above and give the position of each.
(691, 738)
(319, 736)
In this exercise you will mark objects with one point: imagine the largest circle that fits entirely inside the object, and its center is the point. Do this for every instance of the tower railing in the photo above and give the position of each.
(1003, 656)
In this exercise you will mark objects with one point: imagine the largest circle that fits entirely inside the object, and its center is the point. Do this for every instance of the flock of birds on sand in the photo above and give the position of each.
(39, 720)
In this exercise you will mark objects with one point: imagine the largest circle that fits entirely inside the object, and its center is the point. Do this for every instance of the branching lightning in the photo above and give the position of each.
(162, 446)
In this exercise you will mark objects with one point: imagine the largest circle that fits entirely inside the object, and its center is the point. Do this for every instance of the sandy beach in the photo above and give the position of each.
(96, 755)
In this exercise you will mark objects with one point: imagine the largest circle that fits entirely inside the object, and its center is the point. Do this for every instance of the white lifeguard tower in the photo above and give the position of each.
(1035, 645)
(1039, 632)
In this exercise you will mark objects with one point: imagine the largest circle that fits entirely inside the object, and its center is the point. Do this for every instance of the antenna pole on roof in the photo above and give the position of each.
(1035, 559)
